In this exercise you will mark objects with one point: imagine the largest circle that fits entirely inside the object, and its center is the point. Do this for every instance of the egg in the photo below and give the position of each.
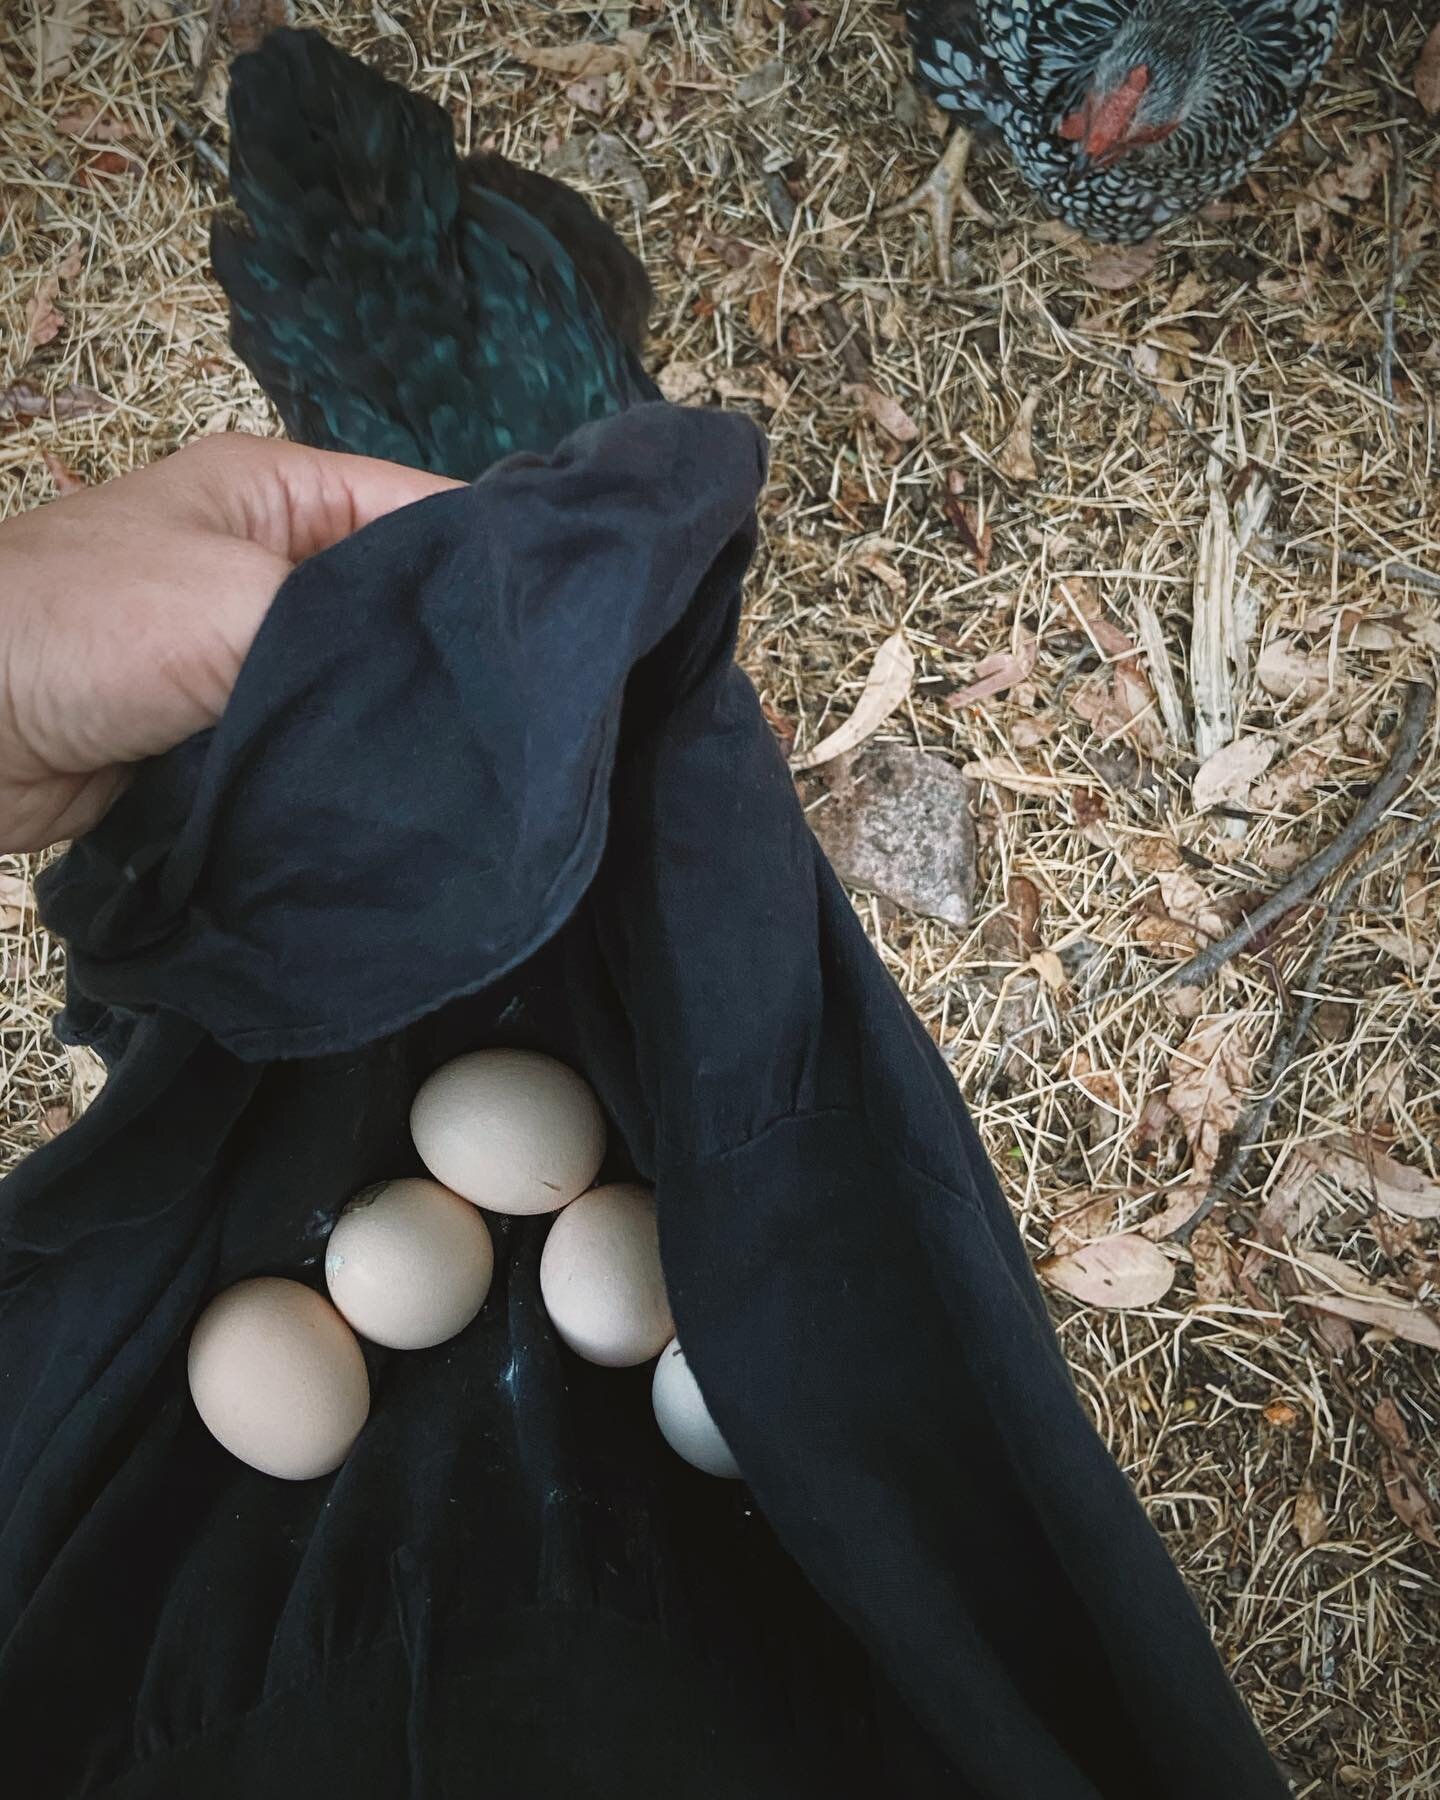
(684, 1418)
(600, 1277)
(409, 1264)
(278, 1378)
(509, 1130)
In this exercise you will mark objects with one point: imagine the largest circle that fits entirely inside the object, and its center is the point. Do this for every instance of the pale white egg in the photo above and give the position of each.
(684, 1418)
(509, 1130)
(409, 1263)
(278, 1378)
(600, 1277)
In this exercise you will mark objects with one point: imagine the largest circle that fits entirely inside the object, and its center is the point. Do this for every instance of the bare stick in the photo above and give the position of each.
(1356, 559)
(842, 335)
(1392, 271)
(211, 158)
(1419, 700)
(1288, 1044)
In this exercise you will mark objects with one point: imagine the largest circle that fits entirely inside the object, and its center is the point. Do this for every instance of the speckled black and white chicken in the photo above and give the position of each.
(1120, 114)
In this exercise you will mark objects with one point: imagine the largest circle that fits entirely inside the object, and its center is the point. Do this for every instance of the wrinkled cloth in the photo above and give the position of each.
(490, 776)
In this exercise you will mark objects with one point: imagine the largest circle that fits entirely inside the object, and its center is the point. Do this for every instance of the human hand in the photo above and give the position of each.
(126, 611)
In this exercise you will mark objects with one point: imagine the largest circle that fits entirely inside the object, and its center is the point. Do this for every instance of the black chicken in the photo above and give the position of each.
(395, 301)
(1121, 114)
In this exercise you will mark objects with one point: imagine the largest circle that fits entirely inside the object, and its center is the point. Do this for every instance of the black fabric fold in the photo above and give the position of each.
(490, 775)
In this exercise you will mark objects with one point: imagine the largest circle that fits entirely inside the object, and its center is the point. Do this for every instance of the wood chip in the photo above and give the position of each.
(1311, 1524)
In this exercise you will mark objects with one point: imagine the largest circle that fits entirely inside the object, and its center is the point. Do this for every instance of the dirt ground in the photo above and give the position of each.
(1090, 471)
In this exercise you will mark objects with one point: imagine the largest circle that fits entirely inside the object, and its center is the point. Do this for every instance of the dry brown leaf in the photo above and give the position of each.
(61, 24)
(591, 94)
(1288, 672)
(1118, 267)
(1364, 1170)
(250, 21)
(978, 538)
(65, 479)
(1180, 1202)
(22, 401)
(1079, 594)
(1088, 1219)
(1187, 903)
(44, 321)
(887, 413)
(997, 674)
(886, 689)
(1427, 74)
(1345, 1293)
(1114, 1272)
(1101, 1085)
(1209, 1074)
(1015, 458)
(1408, 1500)
(1391, 1425)
(1048, 966)
(1216, 1265)
(873, 563)
(1227, 777)
(1167, 936)
(1290, 781)
(1353, 179)
(89, 120)
(16, 899)
(1024, 898)
(900, 824)
(1155, 854)
(1402, 1319)
(1357, 176)
(575, 61)
(1311, 1523)
(56, 1119)
(1120, 702)
(601, 157)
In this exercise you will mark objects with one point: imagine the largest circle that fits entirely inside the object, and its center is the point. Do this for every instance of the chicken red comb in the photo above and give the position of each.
(1102, 124)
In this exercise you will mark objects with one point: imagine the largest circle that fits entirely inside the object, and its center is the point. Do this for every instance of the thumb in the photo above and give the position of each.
(294, 501)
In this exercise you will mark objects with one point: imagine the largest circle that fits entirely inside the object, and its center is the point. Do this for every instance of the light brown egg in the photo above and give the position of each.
(684, 1418)
(509, 1130)
(409, 1264)
(278, 1378)
(600, 1277)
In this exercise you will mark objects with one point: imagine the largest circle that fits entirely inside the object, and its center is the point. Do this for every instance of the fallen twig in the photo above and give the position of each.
(1288, 1044)
(210, 157)
(843, 336)
(1392, 268)
(1355, 559)
(1419, 700)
